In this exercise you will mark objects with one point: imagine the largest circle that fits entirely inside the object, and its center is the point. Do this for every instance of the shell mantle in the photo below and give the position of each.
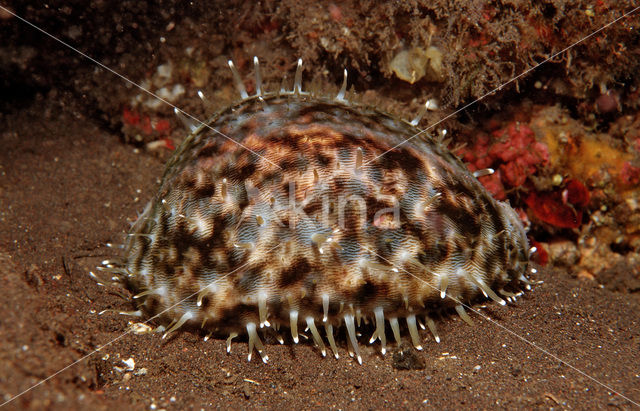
(288, 210)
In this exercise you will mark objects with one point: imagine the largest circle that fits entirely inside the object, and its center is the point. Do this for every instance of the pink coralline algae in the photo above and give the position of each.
(562, 208)
(512, 151)
(630, 175)
(145, 128)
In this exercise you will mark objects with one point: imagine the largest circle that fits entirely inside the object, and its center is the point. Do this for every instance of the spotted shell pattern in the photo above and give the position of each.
(289, 210)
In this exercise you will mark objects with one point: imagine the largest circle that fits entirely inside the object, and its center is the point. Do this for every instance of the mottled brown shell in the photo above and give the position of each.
(292, 209)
